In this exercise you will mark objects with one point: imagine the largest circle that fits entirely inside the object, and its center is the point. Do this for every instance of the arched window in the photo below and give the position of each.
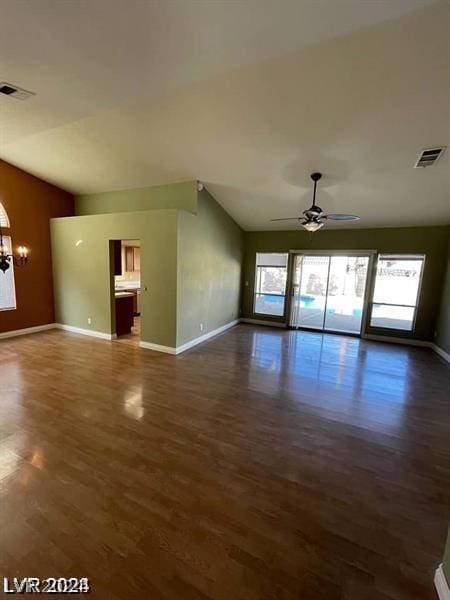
(4, 221)
(7, 285)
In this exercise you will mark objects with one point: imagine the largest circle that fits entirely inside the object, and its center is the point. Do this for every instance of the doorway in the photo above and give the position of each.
(329, 291)
(125, 257)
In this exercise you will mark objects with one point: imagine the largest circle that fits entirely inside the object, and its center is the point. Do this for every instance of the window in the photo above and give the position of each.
(7, 288)
(396, 293)
(270, 284)
(4, 221)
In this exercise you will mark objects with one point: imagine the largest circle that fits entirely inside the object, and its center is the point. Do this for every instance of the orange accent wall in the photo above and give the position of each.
(30, 204)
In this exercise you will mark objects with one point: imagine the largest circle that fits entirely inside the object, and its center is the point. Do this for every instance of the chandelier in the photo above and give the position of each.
(8, 258)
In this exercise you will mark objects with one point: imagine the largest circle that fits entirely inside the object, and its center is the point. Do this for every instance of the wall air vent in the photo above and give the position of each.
(8, 89)
(429, 156)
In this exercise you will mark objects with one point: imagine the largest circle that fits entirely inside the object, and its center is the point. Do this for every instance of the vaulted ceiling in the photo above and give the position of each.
(247, 96)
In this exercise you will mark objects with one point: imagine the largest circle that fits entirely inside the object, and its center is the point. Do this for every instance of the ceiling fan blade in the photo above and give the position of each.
(340, 217)
(287, 219)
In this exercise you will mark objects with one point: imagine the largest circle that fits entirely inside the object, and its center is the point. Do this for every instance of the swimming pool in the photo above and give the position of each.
(273, 304)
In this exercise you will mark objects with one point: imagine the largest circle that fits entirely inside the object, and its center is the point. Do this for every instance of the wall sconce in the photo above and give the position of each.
(6, 259)
(23, 254)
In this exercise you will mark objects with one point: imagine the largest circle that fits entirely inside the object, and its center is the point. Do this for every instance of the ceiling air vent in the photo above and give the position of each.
(429, 156)
(8, 89)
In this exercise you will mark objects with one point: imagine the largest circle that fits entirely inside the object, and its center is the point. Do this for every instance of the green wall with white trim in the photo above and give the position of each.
(210, 253)
(191, 260)
(81, 270)
(431, 241)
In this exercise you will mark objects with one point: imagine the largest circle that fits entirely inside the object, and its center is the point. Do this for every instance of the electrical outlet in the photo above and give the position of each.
(201, 326)
(89, 321)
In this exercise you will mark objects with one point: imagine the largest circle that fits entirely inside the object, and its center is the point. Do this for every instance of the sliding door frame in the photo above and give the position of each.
(371, 254)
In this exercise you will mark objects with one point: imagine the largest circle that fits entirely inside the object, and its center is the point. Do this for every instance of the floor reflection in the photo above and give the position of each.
(133, 406)
(366, 383)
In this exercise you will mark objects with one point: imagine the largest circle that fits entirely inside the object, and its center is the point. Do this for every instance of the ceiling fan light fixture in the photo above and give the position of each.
(313, 225)
(313, 217)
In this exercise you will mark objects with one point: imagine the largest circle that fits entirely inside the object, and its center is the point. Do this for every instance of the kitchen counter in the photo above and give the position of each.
(127, 285)
(129, 288)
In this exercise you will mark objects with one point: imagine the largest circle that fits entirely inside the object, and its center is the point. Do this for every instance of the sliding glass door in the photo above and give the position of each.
(310, 283)
(346, 292)
(329, 292)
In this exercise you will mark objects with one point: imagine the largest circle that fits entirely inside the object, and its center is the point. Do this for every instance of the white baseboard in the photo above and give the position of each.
(27, 330)
(441, 584)
(187, 345)
(409, 342)
(109, 336)
(158, 347)
(442, 353)
(90, 332)
(395, 340)
(172, 350)
(205, 337)
(262, 322)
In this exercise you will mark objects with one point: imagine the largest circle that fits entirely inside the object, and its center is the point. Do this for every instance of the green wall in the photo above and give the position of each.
(82, 272)
(432, 241)
(176, 195)
(210, 252)
(192, 257)
(191, 261)
(443, 322)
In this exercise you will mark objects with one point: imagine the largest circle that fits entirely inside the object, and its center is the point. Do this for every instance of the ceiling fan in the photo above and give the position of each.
(313, 217)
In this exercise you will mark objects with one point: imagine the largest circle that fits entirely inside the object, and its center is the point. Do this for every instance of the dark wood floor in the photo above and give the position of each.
(265, 464)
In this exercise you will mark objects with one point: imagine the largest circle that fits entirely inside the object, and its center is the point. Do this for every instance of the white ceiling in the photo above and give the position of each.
(248, 96)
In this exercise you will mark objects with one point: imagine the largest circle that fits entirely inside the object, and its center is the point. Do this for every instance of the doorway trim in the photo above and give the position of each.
(371, 254)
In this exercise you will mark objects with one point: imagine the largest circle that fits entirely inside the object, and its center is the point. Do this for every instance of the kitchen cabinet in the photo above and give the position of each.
(137, 258)
(124, 312)
(132, 258)
(129, 261)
